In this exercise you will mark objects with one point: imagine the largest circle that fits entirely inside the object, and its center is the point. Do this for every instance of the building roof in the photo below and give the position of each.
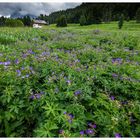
(40, 22)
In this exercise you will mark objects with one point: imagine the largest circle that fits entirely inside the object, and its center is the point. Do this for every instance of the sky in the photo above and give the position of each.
(21, 9)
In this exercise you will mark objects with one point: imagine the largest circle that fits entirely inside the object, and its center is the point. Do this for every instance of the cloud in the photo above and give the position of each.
(35, 9)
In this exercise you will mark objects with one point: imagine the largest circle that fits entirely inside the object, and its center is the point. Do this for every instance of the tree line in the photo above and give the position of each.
(90, 13)
(18, 22)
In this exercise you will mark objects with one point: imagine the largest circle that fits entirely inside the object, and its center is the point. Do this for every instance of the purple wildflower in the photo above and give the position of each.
(77, 60)
(22, 68)
(24, 55)
(137, 63)
(30, 51)
(117, 135)
(31, 68)
(77, 92)
(71, 116)
(32, 97)
(117, 60)
(16, 61)
(112, 97)
(42, 92)
(27, 75)
(19, 72)
(89, 131)
(65, 112)
(44, 53)
(82, 132)
(114, 75)
(92, 125)
(124, 102)
(68, 82)
(70, 121)
(67, 51)
(38, 96)
(113, 61)
(128, 61)
(48, 53)
(61, 131)
(7, 63)
(1, 63)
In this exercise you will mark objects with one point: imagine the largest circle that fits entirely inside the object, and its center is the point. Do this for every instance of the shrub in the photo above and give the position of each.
(128, 19)
(120, 23)
(2, 21)
(61, 21)
(83, 20)
(27, 21)
(14, 23)
(138, 16)
(130, 42)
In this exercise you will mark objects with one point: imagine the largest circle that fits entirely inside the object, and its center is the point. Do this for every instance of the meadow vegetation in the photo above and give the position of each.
(76, 81)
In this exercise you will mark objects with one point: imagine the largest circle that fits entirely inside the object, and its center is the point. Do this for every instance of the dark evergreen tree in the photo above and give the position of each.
(127, 19)
(107, 14)
(27, 21)
(61, 21)
(2, 21)
(120, 23)
(138, 16)
(83, 20)
(41, 17)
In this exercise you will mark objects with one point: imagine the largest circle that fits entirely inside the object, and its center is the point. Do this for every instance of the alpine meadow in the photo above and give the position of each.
(70, 79)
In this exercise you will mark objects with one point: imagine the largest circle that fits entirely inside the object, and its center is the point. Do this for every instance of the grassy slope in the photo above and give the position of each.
(113, 26)
(131, 28)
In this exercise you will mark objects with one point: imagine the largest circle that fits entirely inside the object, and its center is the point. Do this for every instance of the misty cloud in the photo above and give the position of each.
(35, 9)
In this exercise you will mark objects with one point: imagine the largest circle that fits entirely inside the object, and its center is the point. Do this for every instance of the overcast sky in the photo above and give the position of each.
(36, 9)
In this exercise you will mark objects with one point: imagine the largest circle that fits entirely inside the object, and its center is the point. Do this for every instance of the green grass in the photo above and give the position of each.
(112, 27)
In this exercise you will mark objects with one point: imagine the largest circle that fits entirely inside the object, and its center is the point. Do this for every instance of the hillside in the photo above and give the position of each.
(97, 12)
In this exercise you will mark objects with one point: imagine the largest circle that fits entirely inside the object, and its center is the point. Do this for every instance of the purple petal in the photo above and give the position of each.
(82, 132)
(61, 131)
(38, 96)
(117, 135)
(89, 131)
(77, 92)
(112, 98)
